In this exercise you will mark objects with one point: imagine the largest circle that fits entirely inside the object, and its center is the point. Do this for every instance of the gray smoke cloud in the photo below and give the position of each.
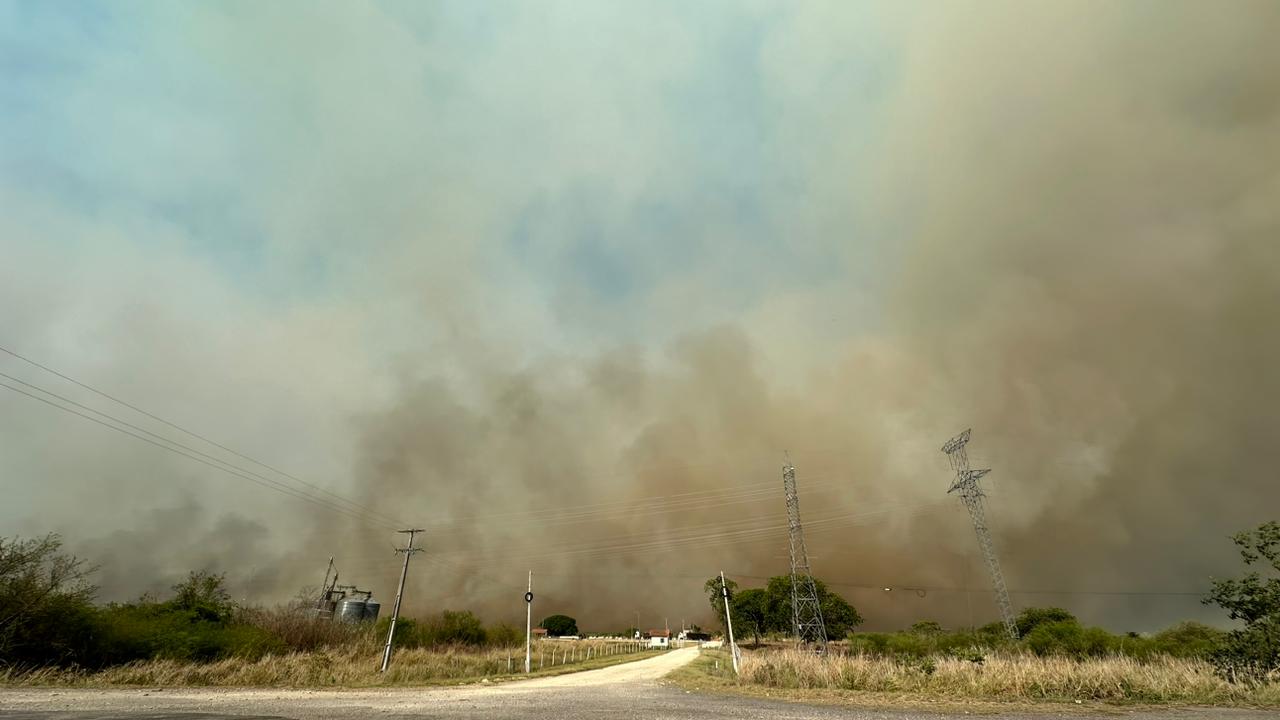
(1056, 224)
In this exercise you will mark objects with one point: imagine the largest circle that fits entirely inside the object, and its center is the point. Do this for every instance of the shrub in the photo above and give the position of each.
(46, 610)
(504, 635)
(1188, 639)
(1050, 638)
(869, 643)
(908, 645)
(450, 627)
(148, 629)
(204, 596)
(456, 627)
(1028, 619)
(926, 627)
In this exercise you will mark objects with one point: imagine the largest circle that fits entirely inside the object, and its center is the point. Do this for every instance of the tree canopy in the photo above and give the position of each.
(558, 625)
(764, 610)
(1251, 653)
(45, 601)
(714, 596)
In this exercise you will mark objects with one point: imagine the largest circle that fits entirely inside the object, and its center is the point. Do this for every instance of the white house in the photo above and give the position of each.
(660, 639)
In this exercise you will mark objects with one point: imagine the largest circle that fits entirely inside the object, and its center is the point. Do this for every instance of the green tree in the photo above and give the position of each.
(1248, 654)
(838, 616)
(558, 625)
(716, 598)
(750, 609)
(46, 611)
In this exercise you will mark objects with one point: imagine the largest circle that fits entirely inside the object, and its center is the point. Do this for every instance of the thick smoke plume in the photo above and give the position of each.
(1089, 281)
(1063, 232)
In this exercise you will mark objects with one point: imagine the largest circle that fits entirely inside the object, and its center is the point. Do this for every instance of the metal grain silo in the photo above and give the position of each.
(371, 608)
(351, 610)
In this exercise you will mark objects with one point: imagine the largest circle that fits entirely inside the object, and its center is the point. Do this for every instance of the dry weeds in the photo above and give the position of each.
(1006, 677)
(353, 665)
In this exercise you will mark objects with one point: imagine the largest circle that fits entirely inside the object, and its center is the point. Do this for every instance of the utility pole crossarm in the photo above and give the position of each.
(408, 551)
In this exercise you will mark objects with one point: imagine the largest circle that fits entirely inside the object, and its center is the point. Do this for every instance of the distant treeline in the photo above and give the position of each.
(1042, 631)
(760, 613)
(48, 618)
(1250, 653)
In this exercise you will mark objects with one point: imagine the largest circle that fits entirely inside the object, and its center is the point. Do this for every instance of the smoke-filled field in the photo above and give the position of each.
(564, 284)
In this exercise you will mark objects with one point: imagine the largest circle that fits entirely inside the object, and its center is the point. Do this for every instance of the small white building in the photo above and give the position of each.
(660, 639)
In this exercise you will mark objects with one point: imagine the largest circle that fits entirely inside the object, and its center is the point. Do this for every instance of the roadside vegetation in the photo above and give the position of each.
(354, 664)
(51, 632)
(1056, 658)
(946, 680)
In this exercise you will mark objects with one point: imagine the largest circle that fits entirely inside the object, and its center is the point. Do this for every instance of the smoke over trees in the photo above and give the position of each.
(627, 280)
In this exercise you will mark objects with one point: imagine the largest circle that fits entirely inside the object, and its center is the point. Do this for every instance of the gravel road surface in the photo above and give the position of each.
(630, 690)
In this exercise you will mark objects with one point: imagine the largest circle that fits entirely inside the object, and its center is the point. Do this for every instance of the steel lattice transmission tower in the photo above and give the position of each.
(806, 612)
(966, 484)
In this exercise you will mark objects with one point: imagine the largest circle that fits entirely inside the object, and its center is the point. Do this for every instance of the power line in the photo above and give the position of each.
(647, 507)
(229, 469)
(620, 506)
(693, 533)
(561, 515)
(706, 540)
(357, 508)
(882, 587)
(182, 429)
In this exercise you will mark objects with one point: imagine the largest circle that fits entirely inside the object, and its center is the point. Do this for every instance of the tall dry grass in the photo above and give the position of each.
(299, 630)
(1006, 676)
(351, 665)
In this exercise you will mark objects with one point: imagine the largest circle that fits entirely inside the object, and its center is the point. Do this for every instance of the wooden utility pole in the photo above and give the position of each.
(324, 587)
(395, 613)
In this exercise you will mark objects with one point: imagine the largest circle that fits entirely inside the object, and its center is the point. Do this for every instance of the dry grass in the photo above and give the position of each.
(299, 630)
(353, 665)
(1011, 677)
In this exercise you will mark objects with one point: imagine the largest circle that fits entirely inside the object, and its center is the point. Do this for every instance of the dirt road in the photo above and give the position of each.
(630, 690)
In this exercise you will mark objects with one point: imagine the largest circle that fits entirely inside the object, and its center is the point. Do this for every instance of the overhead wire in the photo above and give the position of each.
(883, 587)
(178, 450)
(653, 505)
(613, 505)
(709, 539)
(642, 509)
(337, 497)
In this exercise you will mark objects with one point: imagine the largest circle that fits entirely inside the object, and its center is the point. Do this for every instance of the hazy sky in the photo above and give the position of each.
(460, 259)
